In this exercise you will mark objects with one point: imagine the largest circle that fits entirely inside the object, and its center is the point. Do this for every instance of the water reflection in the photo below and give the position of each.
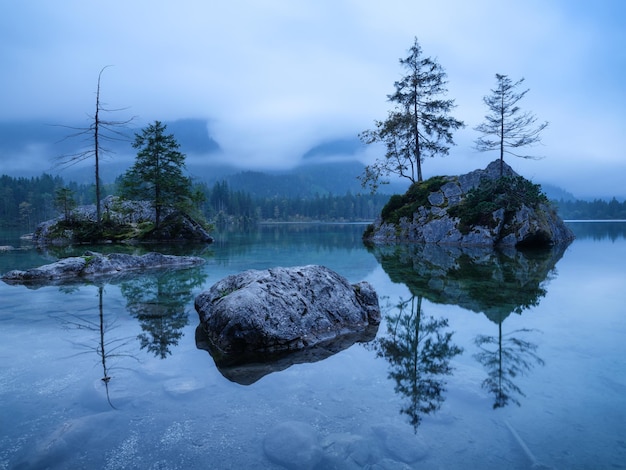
(496, 283)
(419, 353)
(248, 368)
(482, 280)
(598, 230)
(54, 253)
(158, 301)
(506, 357)
(103, 343)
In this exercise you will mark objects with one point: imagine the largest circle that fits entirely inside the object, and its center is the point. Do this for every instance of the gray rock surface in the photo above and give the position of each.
(298, 445)
(293, 445)
(95, 264)
(175, 225)
(283, 309)
(433, 224)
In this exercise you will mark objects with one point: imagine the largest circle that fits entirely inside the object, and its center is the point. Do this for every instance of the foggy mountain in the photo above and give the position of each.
(29, 148)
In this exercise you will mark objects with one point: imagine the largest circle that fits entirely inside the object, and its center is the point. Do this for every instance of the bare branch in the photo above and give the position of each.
(509, 128)
(98, 131)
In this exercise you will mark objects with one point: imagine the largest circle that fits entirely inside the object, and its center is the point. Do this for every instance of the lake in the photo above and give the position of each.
(484, 359)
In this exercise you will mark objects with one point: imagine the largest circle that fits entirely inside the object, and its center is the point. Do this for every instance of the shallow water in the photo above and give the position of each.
(484, 360)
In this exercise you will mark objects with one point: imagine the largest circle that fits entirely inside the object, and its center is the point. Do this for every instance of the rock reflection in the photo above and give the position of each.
(248, 368)
(158, 301)
(496, 283)
(419, 353)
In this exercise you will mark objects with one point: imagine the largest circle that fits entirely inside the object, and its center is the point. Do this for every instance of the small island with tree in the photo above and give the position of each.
(490, 207)
(156, 202)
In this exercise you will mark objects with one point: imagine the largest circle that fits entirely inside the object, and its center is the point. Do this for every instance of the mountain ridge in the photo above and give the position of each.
(329, 167)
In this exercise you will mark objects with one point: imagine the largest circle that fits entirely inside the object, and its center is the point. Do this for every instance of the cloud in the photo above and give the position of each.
(275, 77)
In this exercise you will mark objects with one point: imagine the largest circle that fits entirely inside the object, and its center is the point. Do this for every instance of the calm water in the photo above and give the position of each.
(484, 360)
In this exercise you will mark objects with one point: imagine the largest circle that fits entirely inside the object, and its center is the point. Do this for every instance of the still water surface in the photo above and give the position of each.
(484, 360)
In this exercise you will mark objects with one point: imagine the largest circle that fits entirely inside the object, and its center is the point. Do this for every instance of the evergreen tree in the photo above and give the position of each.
(157, 174)
(64, 201)
(417, 127)
(506, 127)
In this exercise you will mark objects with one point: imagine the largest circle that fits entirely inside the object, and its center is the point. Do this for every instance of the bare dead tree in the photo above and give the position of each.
(98, 132)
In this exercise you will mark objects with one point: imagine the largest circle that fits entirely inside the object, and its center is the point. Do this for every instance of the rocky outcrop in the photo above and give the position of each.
(122, 221)
(429, 213)
(284, 309)
(93, 265)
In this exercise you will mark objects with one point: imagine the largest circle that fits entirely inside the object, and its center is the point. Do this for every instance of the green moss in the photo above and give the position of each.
(369, 231)
(224, 292)
(88, 231)
(508, 193)
(416, 196)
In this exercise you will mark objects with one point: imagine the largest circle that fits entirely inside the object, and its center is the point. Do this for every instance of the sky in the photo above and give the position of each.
(274, 78)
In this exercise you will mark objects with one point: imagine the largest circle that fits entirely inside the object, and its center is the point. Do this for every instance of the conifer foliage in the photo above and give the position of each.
(506, 128)
(157, 174)
(418, 126)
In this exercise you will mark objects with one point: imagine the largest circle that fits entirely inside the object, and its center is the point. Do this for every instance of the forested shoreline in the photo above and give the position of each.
(26, 202)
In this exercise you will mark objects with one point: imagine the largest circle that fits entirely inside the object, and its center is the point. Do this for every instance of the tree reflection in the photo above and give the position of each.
(106, 348)
(496, 283)
(505, 358)
(419, 352)
(158, 301)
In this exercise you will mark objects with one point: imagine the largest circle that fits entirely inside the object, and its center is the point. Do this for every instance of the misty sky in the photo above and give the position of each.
(275, 78)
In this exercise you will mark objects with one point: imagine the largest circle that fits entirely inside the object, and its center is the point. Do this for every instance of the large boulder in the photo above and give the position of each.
(93, 264)
(430, 213)
(284, 309)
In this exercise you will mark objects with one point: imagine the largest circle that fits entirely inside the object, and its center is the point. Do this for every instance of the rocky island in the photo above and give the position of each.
(123, 221)
(480, 208)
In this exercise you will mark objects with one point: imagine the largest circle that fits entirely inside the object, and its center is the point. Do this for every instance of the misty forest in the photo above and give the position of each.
(28, 201)
(418, 126)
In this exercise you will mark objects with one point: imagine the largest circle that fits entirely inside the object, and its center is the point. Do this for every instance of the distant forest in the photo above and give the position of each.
(25, 202)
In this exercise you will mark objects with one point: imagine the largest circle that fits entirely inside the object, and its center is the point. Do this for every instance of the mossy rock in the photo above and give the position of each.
(406, 205)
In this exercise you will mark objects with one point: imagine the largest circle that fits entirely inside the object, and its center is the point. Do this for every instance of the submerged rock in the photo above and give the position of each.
(94, 264)
(284, 309)
(293, 445)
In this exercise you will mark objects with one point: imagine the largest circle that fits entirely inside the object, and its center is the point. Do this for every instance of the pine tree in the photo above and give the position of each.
(157, 174)
(418, 126)
(506, 127)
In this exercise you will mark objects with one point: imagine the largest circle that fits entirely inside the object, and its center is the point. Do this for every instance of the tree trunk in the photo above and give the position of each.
(418, 154)
(96, 148)
(502, 137)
